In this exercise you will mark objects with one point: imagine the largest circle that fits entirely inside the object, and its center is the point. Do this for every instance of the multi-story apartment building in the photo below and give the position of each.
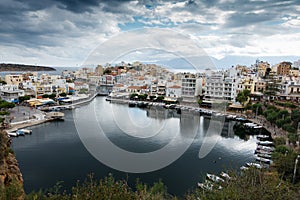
(191, 87)
(220, 87)
(13, 79)
(10, 93)
(283, 68)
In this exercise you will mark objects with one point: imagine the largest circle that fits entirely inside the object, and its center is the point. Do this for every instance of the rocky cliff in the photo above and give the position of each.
(21, 67)
(11, 181)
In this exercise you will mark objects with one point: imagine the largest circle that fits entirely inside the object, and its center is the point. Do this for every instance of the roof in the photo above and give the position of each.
(175, 87)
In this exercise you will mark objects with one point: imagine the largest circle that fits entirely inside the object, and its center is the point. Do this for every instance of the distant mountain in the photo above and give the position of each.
(21, 67)
(224, 63)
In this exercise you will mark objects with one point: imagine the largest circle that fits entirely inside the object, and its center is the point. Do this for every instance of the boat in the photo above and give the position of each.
(12, 134)
(265, 143)
(26, 131)
(20, 132)
(55, 115)
(207, 185)
(244, 168)
(225, 175)
(256, 165)
(214, 178)
(264, 160)
(263, 151)
(262, 155)
(263, 137)
(132, 103)
(266, 148)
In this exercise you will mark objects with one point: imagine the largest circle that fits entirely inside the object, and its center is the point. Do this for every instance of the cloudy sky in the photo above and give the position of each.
(68, 32)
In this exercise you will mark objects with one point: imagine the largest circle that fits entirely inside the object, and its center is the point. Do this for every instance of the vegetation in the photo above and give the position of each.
(243, 97)
(24, 98)
(108, 188)
(63, 94)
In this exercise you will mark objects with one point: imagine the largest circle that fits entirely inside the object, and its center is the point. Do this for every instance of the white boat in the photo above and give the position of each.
(256, 165)
(266, 148)
(265, 143)
(214, 178)
(55, 115)
(262, 137)
(26, 131)
(207, 185)
(225, 175)
(268, 156)
(244, 168)
(264, 160)
(12, 134)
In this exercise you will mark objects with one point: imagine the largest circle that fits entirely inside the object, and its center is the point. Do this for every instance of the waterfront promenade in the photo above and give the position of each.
(23, 116)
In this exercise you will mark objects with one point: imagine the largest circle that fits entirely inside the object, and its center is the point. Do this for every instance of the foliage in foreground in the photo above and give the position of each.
(252, 184)
(108, 188)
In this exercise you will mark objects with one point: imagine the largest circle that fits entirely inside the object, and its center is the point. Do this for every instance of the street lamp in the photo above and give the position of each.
(295, 168)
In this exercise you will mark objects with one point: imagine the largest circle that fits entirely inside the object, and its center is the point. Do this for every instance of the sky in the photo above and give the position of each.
(72, 32)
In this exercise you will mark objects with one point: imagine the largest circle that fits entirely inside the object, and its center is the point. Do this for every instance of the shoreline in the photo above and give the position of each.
(33, 122)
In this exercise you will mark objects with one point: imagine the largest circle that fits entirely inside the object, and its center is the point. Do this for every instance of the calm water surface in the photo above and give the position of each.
(54, 152)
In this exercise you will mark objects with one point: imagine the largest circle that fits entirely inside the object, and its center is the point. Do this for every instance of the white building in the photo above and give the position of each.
(220, 87)
(173, 91)
(10, 92)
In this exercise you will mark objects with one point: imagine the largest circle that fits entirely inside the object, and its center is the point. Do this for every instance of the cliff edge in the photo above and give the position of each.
(11, 181)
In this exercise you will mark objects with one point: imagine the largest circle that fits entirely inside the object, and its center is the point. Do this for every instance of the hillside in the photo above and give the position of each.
(21, 67)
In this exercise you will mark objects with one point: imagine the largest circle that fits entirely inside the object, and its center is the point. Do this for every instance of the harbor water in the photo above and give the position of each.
(57, 151)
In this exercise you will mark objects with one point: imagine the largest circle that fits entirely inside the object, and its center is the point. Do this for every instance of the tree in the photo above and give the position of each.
(63, 94)
(243, 96)
(23, 98)
(45, 96)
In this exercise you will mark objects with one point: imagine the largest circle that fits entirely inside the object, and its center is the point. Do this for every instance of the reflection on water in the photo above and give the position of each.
(54, 151)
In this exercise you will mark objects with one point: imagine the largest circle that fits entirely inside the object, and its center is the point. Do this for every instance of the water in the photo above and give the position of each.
(55, 152)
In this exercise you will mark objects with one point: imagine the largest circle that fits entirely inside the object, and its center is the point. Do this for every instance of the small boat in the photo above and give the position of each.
(20, 132)
(262, 155)
(12, 134)
(132, 103)
(225, 175)
(263, 151)
(256, 165)
(207, 185)
(266, 148)
(264, 160)
(26, 131)
(265, 143)
(244, 168)
(214, 178)
(263, 137)
(55, 115)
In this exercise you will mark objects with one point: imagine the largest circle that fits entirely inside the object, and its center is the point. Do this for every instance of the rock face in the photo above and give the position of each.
(21, 67)
(11, 181)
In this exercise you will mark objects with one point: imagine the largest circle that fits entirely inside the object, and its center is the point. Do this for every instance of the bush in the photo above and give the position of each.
(279, 141)
(289, 128)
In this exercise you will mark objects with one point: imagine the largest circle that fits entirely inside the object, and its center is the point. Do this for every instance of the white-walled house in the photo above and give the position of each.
(173, 91)
(10, 92)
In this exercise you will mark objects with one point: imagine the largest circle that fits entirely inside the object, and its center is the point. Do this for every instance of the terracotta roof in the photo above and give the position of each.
(175, 86)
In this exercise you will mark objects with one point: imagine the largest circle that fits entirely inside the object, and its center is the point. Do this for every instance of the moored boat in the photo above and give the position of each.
(256, 165)
(214, 178)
